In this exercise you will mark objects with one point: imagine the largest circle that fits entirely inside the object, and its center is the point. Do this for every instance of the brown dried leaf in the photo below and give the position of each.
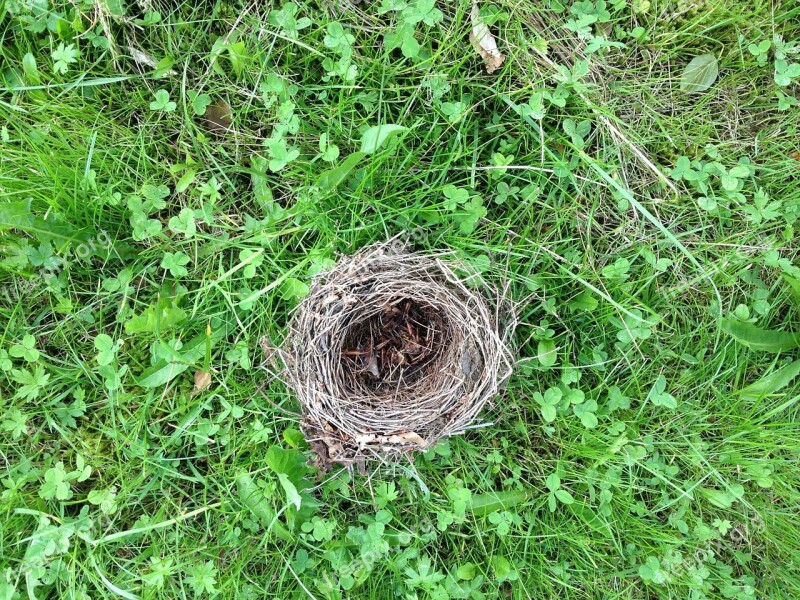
(407, 437)
(202, 380)
(366, 438)
(484, 43)
(218, 117)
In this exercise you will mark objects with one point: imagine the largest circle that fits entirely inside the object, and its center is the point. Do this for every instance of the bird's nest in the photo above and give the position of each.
(391, 351)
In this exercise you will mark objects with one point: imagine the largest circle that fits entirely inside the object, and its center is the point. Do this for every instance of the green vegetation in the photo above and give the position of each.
(171, 177)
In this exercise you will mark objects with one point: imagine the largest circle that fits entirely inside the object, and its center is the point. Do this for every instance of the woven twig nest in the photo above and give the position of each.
(391, 351)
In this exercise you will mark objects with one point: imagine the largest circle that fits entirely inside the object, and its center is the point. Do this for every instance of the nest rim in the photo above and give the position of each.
(347, 421)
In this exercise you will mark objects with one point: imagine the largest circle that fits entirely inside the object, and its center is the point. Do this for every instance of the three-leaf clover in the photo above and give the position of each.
(106, 499)
(577, 131)
(338, 38)
(453, 110)
(112, 377)
(55, 484)
(505, 192)
(634, 326)
(285, 19)
(199, 102)
(154, 197)
(294, 288)
(659, 396)
(785, 101)
(585, 411)
(617, 400)
(454, 196)
(786, 73)
(460, 498)
(302, 561)
(503, 520)
(210, 189)
(281, 155)
(252, 259)
(228, 409)
(162, 102)
(557, 97)
(403, 37)
(474, 211)
(423, 10)
(322, 530)
(548, 403)
(503, 569)
(342, 68)
(760, 50)
(106, 349)
(651, 571)
(184, 223)
(26, 349)
(144, 228)
(5, 362)
(240, 354)
(501, 160)
(535, 108)
(617, 270)
(175, 263)
(553, 483)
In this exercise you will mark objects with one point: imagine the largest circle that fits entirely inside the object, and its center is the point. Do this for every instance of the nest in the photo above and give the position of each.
(391, 351)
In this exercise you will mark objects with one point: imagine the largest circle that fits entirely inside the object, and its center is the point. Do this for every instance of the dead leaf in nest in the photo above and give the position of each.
(407, 437)
(218, 117)
(404, 438)
(366, 438)
(484, 43)
(202, 380)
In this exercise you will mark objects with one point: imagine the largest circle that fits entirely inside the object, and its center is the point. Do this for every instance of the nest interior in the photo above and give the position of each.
(395, 346)
(391, 351)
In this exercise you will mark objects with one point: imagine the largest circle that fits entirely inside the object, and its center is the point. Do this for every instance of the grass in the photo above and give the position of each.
(638, 227)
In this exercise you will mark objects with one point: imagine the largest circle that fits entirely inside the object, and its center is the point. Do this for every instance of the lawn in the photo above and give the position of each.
(172, 177)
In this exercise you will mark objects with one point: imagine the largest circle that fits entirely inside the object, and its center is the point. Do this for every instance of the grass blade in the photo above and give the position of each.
(252, 498)
(755, 338)
(483, 504)
(330, 179)
(771, 383)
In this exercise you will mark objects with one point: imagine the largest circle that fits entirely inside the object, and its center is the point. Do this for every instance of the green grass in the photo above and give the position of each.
(119, 480)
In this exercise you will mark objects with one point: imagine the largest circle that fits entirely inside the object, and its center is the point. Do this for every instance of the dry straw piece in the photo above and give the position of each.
(392, 350)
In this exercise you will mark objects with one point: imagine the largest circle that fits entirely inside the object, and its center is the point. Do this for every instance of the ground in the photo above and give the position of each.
(173, 175)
